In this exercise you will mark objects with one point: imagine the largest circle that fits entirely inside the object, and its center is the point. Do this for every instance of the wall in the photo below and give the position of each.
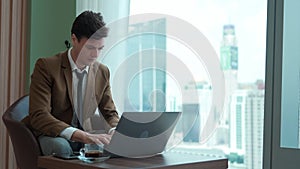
(29, 29)
(51, 22)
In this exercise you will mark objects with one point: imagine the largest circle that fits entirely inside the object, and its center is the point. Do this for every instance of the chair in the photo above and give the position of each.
(25, 145)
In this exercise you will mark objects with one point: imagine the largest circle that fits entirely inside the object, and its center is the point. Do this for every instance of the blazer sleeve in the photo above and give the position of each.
(107, 106)
(40, 115)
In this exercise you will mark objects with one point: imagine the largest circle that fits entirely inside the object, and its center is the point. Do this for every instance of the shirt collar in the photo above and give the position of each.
(73, 65)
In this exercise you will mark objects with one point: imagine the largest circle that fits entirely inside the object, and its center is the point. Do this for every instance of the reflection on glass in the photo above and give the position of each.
(290, 99)
(238, 36)
(236, 30)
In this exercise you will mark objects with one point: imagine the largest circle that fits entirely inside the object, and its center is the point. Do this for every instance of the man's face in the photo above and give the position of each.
(88, 50)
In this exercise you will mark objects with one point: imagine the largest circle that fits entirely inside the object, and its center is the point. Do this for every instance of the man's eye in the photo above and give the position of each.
(89, 47)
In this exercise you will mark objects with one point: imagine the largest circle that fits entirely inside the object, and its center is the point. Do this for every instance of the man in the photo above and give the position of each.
(69, 89)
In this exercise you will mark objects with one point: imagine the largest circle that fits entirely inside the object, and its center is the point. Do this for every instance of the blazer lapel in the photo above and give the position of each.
(68, 75)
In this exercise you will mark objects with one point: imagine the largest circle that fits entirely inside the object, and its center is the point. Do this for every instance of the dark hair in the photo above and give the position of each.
(89, 24)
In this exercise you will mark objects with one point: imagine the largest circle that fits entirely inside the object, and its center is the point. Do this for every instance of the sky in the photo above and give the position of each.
(209, 16)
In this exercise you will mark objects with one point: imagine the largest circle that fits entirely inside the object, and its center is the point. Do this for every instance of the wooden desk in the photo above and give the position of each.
(170, 160)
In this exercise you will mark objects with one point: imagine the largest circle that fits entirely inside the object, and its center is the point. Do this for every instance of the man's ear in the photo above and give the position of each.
(74, 39)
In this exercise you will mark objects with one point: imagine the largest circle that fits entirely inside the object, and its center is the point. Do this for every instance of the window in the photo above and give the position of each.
(153, 69)
(238, 36)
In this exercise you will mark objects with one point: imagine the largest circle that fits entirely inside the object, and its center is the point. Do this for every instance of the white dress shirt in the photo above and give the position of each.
(68, 132)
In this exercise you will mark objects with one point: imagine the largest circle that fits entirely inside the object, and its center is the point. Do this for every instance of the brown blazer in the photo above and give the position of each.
(51, 101)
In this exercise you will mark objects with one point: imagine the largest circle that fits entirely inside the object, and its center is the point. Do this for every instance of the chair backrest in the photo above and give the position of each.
(25, 145)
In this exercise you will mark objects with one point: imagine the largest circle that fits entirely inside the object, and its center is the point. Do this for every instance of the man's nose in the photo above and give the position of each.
(95, 52)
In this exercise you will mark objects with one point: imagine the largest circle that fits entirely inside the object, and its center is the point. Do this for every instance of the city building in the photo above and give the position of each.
(147, 49)
(254, 120)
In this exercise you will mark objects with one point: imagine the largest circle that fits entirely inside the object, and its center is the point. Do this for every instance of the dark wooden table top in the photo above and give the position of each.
(167, 160)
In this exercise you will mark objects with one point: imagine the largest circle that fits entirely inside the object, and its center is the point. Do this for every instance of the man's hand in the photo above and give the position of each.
(98, 138)
(85, 137)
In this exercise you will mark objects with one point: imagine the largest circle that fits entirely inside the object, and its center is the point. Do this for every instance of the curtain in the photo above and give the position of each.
(13, 50)
(111, 9)
(116, 16)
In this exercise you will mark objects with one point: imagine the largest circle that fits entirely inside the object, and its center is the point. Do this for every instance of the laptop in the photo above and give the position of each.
(142, 134)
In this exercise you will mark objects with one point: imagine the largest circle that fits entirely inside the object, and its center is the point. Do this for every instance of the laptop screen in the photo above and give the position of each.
(146, 124)
(140, 134)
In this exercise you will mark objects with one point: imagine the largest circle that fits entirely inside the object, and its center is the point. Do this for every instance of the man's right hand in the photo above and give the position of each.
(84, 137)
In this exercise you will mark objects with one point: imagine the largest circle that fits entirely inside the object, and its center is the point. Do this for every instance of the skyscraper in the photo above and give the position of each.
(195, 110)
(254, 120)
(229, 58)
(229, 49)
(229, 63)
(246, 124)
(237, 121)
(147, 47)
